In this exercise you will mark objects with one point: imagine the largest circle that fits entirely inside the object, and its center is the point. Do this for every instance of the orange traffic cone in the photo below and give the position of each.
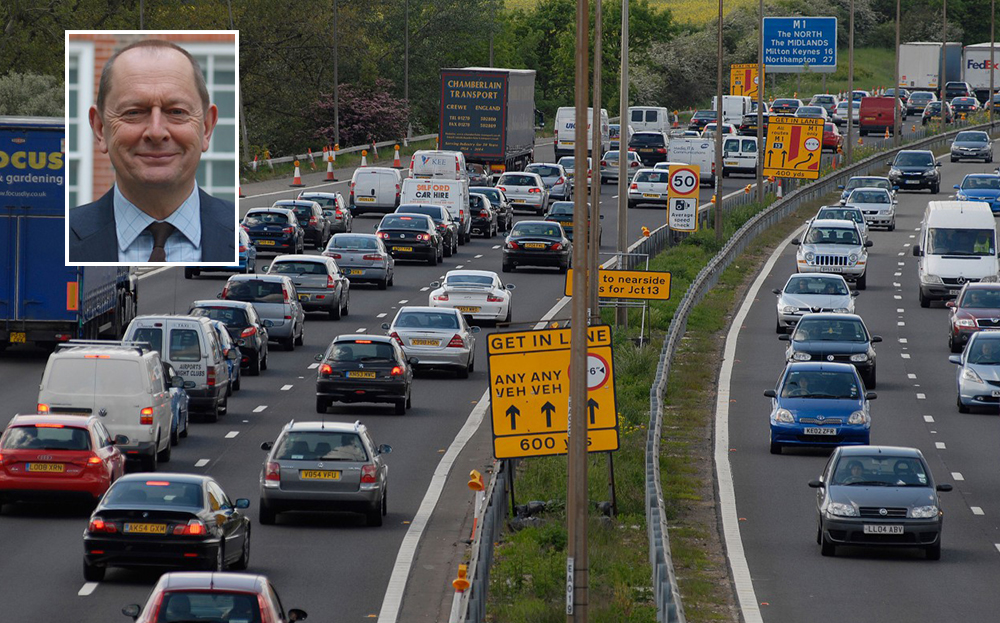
(312, 161)
(241, 192)
(887, 132)
(329, 170)
(396, 164)
(374, 150)
(364, 157)
(297, 179)
(779, 193)
(747, 189)
(676, 124)
(333, 152)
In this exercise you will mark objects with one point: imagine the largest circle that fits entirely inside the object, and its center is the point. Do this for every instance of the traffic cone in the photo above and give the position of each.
(336, 148)
(779, 193)
(364, 157)
(297, 179)
(676, 124)
(374, 150)
(329, 170)
(747, 189)
(396, 164)
(860, 142)
(312, 161)
(241, 192)
(254, 165)
(887, 132)
(913, 128)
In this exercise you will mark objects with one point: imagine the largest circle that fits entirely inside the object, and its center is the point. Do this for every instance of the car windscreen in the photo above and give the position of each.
(365, 350)
(984, 351)
(920, 96)
(425, 320)
(543, 170)
(230, 316)
(612, 155)
(977, 298)
(912, 159)
(296, 267)
(817, 285)
(517, 180)
(704, 114)
(986, 182)
(157, 491)
(210, 607)
(352, 242)
(869, 196)
(972, 137)
(404, 222)
(469, 280)
(933, 107)
(833, 235)
(830, 330)
(653, 177)
(255, 291)
(431, 211)
(303, 213)
(820, 384)
(880, 470)
(647, 140)
(46, 437)
(265, 218)
(841, 214)
(320, 446)
(535, 229)
(867, 182)
(948, 241)
(491, 193)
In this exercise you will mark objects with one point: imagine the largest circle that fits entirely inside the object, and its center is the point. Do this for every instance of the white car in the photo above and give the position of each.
(806, 293)
(846, 213)
(728, 129)
(478, 294)
(877, 204)
(834, 246)
(526, 191)
(840, 118)
(648, 186)
(569, 164)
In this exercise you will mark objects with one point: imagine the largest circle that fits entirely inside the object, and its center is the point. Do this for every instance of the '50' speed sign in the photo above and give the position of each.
(683, 180)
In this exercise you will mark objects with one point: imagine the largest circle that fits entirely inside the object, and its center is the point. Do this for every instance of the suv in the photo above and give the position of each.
(957, 89)
(914, 169)
(502, 207)
(123, 383)
(244, 326)
(700, 119)
(274, 230)
(324, 466)
(651, 146)
(447, 226)
(311, 219)
(334, 209)
(364, 368)
(834, 246)
(275, 299)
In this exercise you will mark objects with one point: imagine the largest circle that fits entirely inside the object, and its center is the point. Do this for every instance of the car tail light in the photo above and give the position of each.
(661, 150)
(492, 298)
(456, 342)
(534, 190)
(352, 195)
(249, 332)
(634, 187)
(1, 458)
(423, 236)
(325, 369)
(396, 371)
(556, 246)
(441, 297)
(330, 283)
(225, 290)
(511, 244)
(396, 337)
(335, 256)
(43, 408)
(368, 474)
(501, 189)
(94, 460)
(273, 472)
(383, 235)
(287, 230)
(484, 214)
(99, 525)
(284, 296)
(603, 164)
(312, 220)
(245, 228)
(194, 527)
(211, 377)
(633, 164)
(373, 258)
(146, 416)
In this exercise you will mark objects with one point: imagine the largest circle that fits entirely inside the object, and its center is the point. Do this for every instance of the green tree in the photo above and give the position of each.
(31, 95)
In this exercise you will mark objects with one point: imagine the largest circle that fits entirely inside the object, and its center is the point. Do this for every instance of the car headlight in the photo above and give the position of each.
(853, 258)
(801, 356)
(965, 322)
(933, 279)
(842, 310)
(968, 374)
(788, 309)
(924, 512)
(858, 417)
(784, 415)
(810, 256)
(989, 279)
(842, 510)
(859, 357)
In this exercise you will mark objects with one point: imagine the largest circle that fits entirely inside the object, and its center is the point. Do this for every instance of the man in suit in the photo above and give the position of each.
(153, 118)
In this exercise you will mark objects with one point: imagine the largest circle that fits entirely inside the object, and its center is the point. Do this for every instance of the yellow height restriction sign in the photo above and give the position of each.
(744, 80)
(793, 148)
(628, 284)
(529, 392)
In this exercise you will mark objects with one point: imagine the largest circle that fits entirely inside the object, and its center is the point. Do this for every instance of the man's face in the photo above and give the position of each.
(153, 127)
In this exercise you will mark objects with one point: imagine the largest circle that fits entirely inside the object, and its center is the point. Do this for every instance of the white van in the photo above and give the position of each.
(122, 383)
(734, 107)
(957, 244)
(699, 151)
(190, 345)
(739, 155)
(451, 194)
(649, 119)
(438, 163)
(375, 189)
(565, 131)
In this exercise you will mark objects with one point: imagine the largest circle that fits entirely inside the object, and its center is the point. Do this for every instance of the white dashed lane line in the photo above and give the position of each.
(976, 510)
(921, 396)
(929, 419)
(404, 301)
(897, 285)
(496, 246)
(913, 376)
(231, 434)
(201, 463)
(939, 445)
(460, 266)
(902, 340)
(382, 315)
(260, 408)
(87, 589)
(957, 476)
(905, 355)
(479, 256)
(361, 329)
(901, 324)
(425, 288)
(285, 388)
(313, 366)
(897, 297)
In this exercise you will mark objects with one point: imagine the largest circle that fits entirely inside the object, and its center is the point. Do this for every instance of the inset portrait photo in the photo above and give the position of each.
(151, 120)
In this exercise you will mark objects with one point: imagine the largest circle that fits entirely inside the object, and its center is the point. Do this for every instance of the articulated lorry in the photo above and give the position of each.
(43, 301)
(978, 67)
(926, 66)
(488, 114)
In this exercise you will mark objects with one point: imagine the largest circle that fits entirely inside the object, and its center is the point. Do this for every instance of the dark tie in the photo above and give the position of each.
(160, 231)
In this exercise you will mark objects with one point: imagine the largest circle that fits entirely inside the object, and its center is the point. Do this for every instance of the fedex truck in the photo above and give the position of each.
(978, 67)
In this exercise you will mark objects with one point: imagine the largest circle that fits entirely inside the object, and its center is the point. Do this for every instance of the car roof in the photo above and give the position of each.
(73, 421)
(301, 257)
(309, 193)
(980, 175)
(532, 222)
(876, 188)
(814, 275)
(833, 222)
(355, 233)
(426, 308)
(833, 316)
(172, 476)
(480, 273)
(298, 203)
(325, 425)
(982, 285)
(201, 580)
(279, 209)
(259, 277)
(889, 450)
(222, 303)
(828, 366)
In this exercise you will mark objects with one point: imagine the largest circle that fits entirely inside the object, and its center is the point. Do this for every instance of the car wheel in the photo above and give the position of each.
(827, 548)
(239, 381)
(954, 159)
(862, 282)
(191, 273)
(187, 424)
(468, 237)
(819, 533)
(374, 516)
(299, 341)
(870, 379)
(506, 268)
(409, 399)
(934, 551)
(775, 448)
(263, 362)
(563, 269)
(266, 514)
(961, 406)
(401, 407)
(254, 369)
(954, 346)
(433, 261)
(288, 343)
(778, 328)
(924, 301)
(336, 312)
(383, 284)
(322, 404)
(150, 462)
(219, 564)
(244, 560)
(175, 434)
(93, 573)
(892, 225)
(463, 372)
(936, 189)
(510, 311)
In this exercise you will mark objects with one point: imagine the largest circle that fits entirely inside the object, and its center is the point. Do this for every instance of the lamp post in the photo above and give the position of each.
(896, 138)
(621, 313)
(850, 86)
(717, 208)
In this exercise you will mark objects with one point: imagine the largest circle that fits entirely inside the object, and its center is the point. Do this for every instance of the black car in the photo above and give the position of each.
(700, 119)
(651, 146)
(785, 106)
(748, 126)
(166, 520)
(364, 368)
(841, 338)
(411, 237)
(933, 110)
(537, 243)
(966, 105)
(246, 328)
(562, 212)
(484, 219)
(311, 218)
(880, 496)
(913, 169)
(502, 207)
(446, 226)
(957, 89)
(904, 94)
(274, 230)
(918, 100)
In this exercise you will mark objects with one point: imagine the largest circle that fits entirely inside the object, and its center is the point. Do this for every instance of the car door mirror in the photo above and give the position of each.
(318, 357)
(916, 250)
(510, 286)
(841, 187)
(869, 243)
(296, 615)
(385, 326)
(895, 188)
(871, 396)
(770, 393)
(219, 295)
(384, 449)
(120, 440)
(854, 293)
(132, 610)
(944, 488)
(796, 241)
(266, 268)
(177, 381)
(876, 339)
(435, 284)
(242, 503)
(937, 164)
(955, 186)
(816, 484)
(950, 304)
(956, 359)
(232, 355)
(268, 323)
(267, 445)
(776, 291)
(475, 329)
(413, 361)
(784, 337)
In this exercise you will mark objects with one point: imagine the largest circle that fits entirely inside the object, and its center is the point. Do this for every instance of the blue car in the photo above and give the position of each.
(819, 404)
(233, 365)
(178, 406)
(983, 187)
(247, 265)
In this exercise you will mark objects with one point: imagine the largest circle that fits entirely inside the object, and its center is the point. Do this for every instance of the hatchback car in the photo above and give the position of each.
(649, 186)
(568, 163)
(274, 230)
(363, 258)
(914, 169)
(806, 293)
(976, 307)
(840, 118)
(501, 205)
(748, 125)
(244, 326)
(562, 212)
(447, 227)
(610, 165)
(324, 466)
(833, 140)
(972, 145)
(437, 338)
(334, 209)
(827, 102)
(319, 282)
(819, 404)
(537, 243)
(978, 375)
(812, 112)
(651, 146)
(525, 190)
(836, 337)
(785, 106)
(964, 105)
(311, 218)
(411, 237)
(918, 100)
(866, 181)
(199, 596)
(477, 174)
(478, 294)
(984, 187)
(559, 185)
(877, 205)
(166, 520)
(933, 111)
(364, 368)
(878, 496)
(275, 299)
(615, 131)
(700, 119)
(728, 129)
(845, 213)
(484, 219)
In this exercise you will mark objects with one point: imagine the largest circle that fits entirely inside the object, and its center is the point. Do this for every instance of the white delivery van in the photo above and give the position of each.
(699, 151)
(451, 194)
(438, 163)
(565, 131)
(957, 244)
(649, 119)
(375, 189)
(734, 107)
(739, 155)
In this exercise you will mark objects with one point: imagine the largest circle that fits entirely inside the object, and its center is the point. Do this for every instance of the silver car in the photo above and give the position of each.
(649, 186)
(320, 284)
(438, 337)
(806, 293)
(334, 209)
(609, 165)
(362, 257)
(274, 298)
(846, 213)
(568, 164)
(525, 190)
(877, 205)
(834, 246)
(555, 179)
(324, 466)
(978, 374)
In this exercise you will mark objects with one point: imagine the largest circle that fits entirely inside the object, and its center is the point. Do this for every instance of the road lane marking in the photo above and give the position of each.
(897, 274)
(929, 418)
(425, 288)
(143, 276)
(313, 366)
(905, 355)
(479, 256)
(976, 510)
(260, 408)
(901, 323)
(901, 253)
(231, 434)
(361, 329)
(899, 310)
(897, 297)
(901, 263)
(897, 285)
(496, 246)
(285, 388)
(957, 476)
(459, 266)
(906, 245)
(902, 340)
(913, 235)
(201, 463)
(921, 396)
(939, 445)
(382, 315)
(404, 301)
(87, 589)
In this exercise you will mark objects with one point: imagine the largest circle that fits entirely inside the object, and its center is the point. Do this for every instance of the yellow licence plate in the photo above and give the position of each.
(303, 297)
(365, 199)
(145, 528)
(267, 243)
(360, 374)
(468, 310)
(651, 195)
(534, 245)
(419, 342)
(355, 271)
(402, 248)
(17, 337)
(319, 474)
(46, 467)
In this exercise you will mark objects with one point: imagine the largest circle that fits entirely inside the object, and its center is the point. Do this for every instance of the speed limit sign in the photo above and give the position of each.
(683, 180)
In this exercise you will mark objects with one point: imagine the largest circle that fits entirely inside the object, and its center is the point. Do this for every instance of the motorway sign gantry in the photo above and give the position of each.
(743, 79)
(628, 284)
(529, 392)
(793, 148)
(799, 44)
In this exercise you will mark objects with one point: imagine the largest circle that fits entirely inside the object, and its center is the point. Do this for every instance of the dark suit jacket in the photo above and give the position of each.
(93, 237)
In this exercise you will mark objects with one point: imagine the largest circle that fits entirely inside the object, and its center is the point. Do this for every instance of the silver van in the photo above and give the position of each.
(274, 298)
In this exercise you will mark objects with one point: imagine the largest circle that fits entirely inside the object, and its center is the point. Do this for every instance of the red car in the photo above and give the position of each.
(197, 596)
(45, 456)
(833, 140)
(976, 307)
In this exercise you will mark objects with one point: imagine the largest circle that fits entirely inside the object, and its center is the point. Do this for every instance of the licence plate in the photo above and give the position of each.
(355, 271)
(831, 269)
(267, 243)
(996, 393)
(360, 374)
(419, 342)
(534, 245)
(402, 248)
(519, 201)
(732, 163)
(145, 528)
(821, 431)
(303, 297)
(365, 199)
(651, 195)
(954, 292)
(17, 337)
(882, 529)
(319, 474)
(911, 181)
(468, 310)
(46, 467)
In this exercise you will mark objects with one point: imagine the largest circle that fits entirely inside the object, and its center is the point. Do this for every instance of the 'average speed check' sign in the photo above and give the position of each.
(682, 197)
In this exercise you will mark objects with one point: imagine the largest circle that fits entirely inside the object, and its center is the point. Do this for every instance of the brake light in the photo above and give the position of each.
(501, 189)
(330, 283)
(194, 527)
(396, 337)
(245, 228)
(146, 416)
(556, 246)
(249, 332)
(562, 180)
(368, 474)
(273, 472)
(511, 244)
(661, 150)
(287, 230)
(373, 258)
(492, 298)
(49, 426)
(243, 248)
(43, 408)
(97, 356)
(383, 235)
(633, 164)
(484, 214)
(335, 256)
(326, 369)
(441, 297)
(99, 525)
(225, 290)
(94, 460)
(396, 371)
(284, 294)
(456, 342)
(312, 220)
(534, 190)
(423, 236)
(634, 187)
(603, 164)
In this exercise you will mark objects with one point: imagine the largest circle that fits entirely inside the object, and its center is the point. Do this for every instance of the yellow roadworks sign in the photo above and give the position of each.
(793, 148)
(628, 284)
(743, 79)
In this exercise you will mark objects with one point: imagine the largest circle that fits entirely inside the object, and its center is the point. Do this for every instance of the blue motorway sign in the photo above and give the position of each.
(800, 44)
